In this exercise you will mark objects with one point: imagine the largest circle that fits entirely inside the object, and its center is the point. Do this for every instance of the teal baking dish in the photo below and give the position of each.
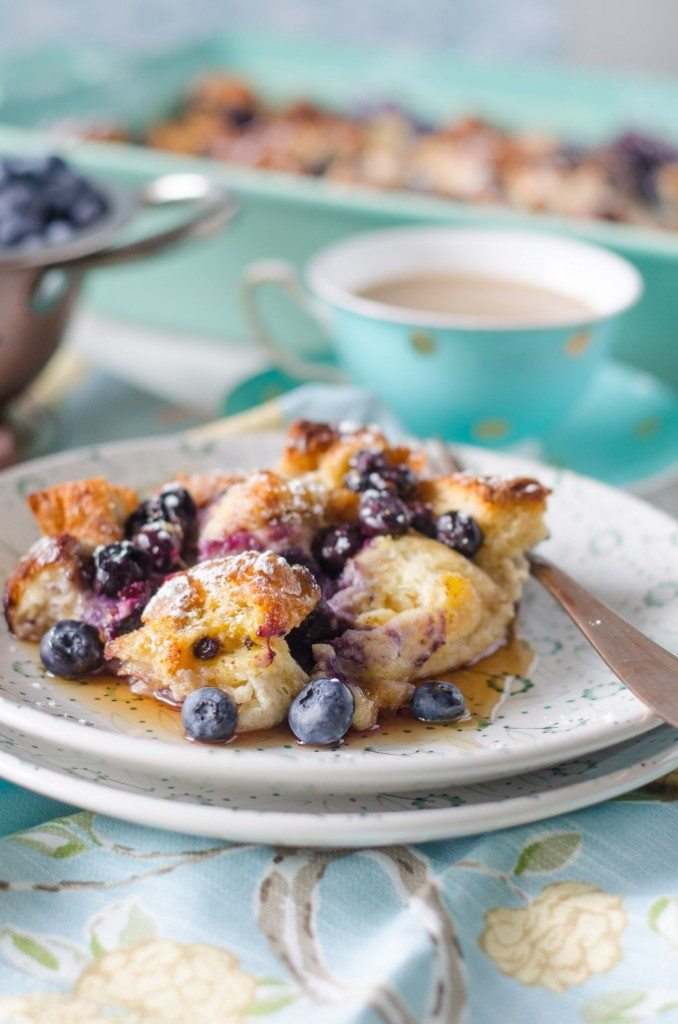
(290, 217)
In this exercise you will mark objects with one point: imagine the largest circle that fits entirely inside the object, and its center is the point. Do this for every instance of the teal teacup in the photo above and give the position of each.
(483, 377)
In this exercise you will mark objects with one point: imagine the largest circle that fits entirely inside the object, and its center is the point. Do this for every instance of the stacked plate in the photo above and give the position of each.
(550, 730)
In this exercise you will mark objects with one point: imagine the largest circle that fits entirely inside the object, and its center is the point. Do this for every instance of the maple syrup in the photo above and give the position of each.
(486, 685)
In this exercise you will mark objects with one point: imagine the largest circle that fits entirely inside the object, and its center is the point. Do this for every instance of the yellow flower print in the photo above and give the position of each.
(571, 931)
(54, 1009)
(155, 982)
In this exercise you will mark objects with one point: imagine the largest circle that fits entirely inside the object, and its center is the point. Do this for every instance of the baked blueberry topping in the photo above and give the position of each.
(126, 625)
(297, 556)
(437, 701)
(321, 624)
(210, 715)
(372, 472)
(636, 158)
(239, 115)
(366, 461)
(335, 545)
(149, 511)
(72, 649)
(382, 513)
(322, 713)
(178, 507)
(460, 532)
(206, 648)
(422, 519)
(118, 565)
(161, 543)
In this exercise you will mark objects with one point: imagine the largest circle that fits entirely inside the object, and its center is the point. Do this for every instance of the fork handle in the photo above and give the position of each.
(648, 670)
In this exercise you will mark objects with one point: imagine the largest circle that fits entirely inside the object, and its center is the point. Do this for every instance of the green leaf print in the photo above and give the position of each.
(83, 820)
(52, 840)
(547, 854)
(48, 957)
(32, 948)
(615, 1008)
(119, 926)
(662, 918)
(272, 996)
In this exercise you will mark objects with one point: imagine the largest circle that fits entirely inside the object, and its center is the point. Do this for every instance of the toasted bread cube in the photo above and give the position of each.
(247, 603)
(46, 585)
(93, 511)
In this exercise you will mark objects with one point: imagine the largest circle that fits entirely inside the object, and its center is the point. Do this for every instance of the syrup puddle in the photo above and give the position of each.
(485, 685)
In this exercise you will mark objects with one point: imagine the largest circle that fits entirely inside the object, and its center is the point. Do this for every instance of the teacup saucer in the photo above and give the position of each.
(624, 432)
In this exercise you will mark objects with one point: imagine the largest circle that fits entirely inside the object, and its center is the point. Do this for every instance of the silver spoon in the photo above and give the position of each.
(648, 670)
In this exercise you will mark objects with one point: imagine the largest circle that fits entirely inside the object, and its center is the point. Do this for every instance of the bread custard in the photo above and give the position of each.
(328, 590)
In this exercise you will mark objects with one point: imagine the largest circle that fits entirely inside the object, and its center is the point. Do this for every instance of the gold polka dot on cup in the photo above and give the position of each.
(491, 430)
(648, 427)
(423, 343)
(577, 344)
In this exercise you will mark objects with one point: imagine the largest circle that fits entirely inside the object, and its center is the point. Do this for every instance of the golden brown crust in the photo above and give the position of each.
(509, 512)
(268, 507)
(219, 91)
(93, 511)
(490, 490)
(247, 603)
(44, 586)
(327, 449)
(257, 594)
(205, 488)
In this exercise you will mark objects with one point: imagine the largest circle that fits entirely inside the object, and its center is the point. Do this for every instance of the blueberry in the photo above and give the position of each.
(86, 209)
(206, 648)
(372, 471)
(72, 649)
(399, 480)
(161, 543)
(118, 565)
(149, 511)
(421, 518)
(178, 506)
(382, 513)
(297, 556)
(16, 229)
(32, 168)
(239, 115)
(321, 624)
(335, 545)
(637, 157)
(128, 624)
(43, 200)
(210, 715)
(58, 232)
(460, 532)
(437, 701)
(322, 713)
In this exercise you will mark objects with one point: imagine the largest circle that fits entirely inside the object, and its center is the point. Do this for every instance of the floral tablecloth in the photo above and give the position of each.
(572, 920)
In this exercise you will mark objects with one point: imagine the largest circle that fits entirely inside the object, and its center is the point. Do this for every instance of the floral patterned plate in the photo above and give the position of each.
(329, 819)
(526, 713)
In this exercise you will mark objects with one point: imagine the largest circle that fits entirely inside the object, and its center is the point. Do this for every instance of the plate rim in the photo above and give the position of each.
(191, 759)
(334, 829)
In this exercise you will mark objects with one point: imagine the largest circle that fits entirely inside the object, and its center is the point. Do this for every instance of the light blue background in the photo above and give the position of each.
(507, 28)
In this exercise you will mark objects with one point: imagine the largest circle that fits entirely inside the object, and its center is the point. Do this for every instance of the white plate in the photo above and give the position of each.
(332, 820)
(621, 548)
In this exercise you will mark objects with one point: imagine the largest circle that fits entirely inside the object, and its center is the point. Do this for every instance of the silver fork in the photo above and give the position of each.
(648, 670)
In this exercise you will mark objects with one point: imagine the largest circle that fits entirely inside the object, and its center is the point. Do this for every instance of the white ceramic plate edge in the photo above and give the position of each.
(339, 830)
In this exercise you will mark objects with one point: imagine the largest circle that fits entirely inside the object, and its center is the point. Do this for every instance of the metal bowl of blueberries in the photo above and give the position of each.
(55, 225)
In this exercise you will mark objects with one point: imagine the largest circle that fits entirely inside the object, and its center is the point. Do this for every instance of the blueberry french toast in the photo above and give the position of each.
(335, 587)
